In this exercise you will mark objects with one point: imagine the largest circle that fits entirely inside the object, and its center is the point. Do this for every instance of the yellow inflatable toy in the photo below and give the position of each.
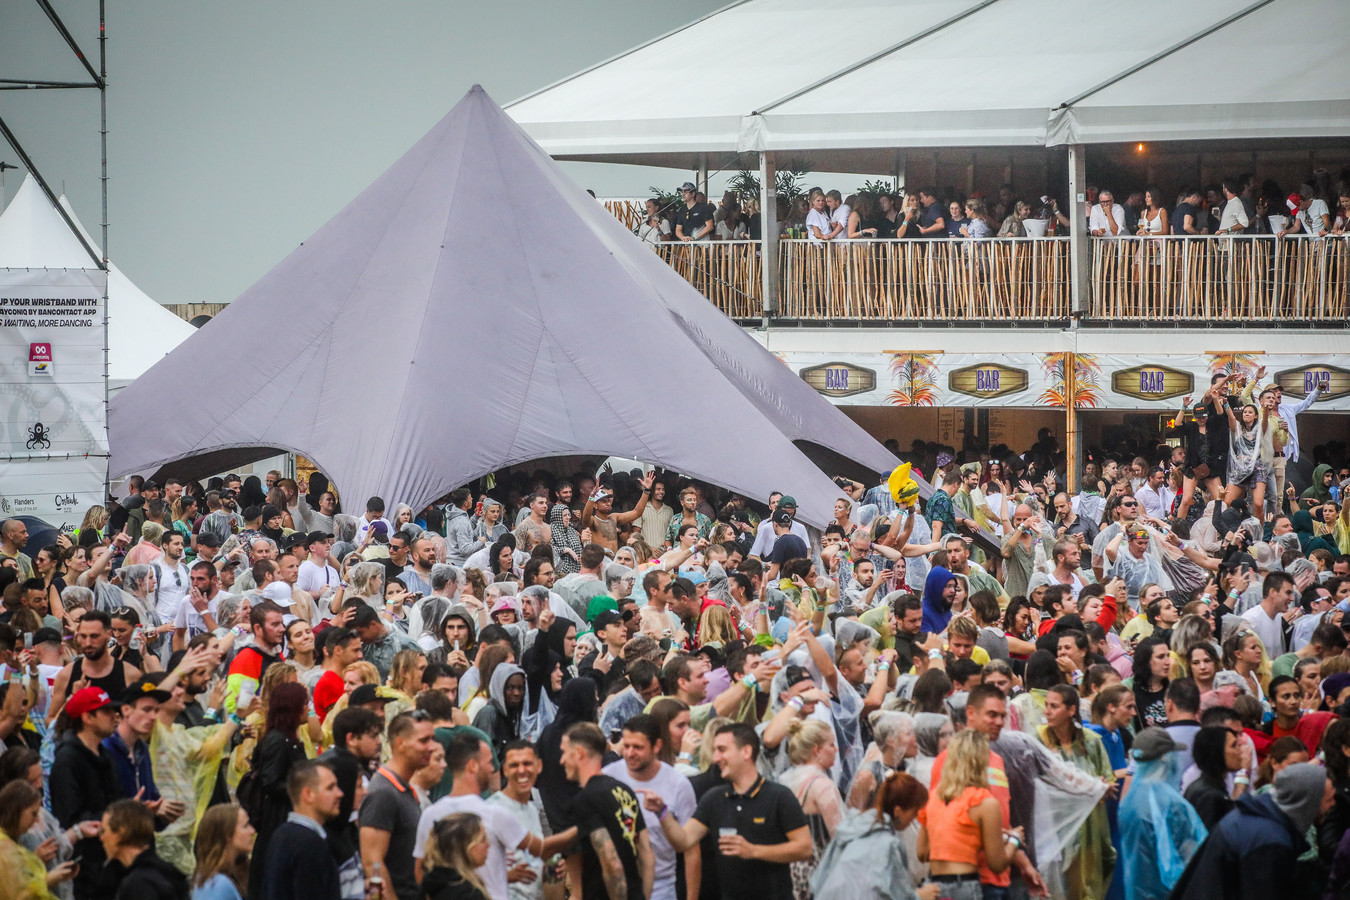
(904, 489)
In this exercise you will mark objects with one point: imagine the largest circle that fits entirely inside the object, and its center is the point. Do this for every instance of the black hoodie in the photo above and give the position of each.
(446, 884)
(149, 878)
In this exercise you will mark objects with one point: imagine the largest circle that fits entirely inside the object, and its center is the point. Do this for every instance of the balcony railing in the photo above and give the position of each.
(1217, 280)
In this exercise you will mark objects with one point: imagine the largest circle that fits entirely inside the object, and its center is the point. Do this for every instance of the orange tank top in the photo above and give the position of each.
(953, 836)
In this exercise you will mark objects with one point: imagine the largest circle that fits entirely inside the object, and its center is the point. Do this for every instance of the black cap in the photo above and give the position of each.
(796, 675)
(366, 693)
(208, 539)
(142, 688)
(46, 636)
(315, 536)
(606, 618)
(782, 518)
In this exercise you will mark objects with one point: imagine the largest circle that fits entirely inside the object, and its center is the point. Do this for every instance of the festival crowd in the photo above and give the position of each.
(631, 686)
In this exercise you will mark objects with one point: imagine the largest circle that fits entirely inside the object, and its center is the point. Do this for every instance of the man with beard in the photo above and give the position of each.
(655, 519)
(95, 667)
(599, 516)
(534, 529)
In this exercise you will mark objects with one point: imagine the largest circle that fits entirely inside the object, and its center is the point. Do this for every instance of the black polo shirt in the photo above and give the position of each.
(691, 219)
(763, 815)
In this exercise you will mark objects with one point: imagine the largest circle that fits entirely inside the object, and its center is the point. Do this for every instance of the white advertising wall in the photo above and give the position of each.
(53, 410)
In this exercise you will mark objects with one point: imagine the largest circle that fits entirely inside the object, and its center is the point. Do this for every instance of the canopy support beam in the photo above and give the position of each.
(768, 234)
(1080, 285)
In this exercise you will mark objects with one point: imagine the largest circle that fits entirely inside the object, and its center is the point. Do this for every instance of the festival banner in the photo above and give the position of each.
(1042, 380)
(54, 435)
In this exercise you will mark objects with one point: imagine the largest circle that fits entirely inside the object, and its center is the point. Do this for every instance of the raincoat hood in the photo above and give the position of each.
(1317, 491)
(936, 612)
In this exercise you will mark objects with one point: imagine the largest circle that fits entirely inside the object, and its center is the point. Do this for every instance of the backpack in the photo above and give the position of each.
(249, 794)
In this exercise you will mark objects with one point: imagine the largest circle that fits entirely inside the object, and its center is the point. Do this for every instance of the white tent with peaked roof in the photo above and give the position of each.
(474, 309)
(34, 236)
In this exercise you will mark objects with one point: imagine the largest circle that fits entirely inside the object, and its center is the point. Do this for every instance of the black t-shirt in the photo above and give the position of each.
(763, 815)
(1198, 219)
(692, 219)
(608, 803)
(391, 806)
(787, 546)
(927, 219)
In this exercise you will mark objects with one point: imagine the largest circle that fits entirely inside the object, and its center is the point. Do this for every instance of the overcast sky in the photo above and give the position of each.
(238, 128)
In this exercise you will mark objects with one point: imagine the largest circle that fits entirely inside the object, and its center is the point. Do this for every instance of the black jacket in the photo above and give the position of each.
(298, 866)
(1251, 855)
(149, 878)
(343, 835)
(445, 884)
(83, 784)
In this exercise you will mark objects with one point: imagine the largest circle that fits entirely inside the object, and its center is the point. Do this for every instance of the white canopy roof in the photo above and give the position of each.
(435, 336)
(860, 75)
(34, 236)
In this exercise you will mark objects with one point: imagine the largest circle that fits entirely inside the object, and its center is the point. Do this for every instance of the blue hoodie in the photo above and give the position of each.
(936, 612)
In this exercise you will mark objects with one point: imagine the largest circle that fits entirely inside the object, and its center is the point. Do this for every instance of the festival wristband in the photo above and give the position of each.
(935, 654)
(797, 703)
(749, 682)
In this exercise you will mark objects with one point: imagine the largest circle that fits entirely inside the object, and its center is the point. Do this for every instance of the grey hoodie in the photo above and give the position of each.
(460, 543)
(1298, 793)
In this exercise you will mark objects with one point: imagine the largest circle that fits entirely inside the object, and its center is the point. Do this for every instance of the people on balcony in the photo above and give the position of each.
(655, 229)
(1153, 220)
(694, 221)
(1234, 219)
(1012, 225)
(819, 228)
(931, 221)
(730, 220)
(839, 212)
(1190, 217)
(1308, 214)
(1107, 218)
(865, 219)
(979, 227)
(911, 215)
(956, 219)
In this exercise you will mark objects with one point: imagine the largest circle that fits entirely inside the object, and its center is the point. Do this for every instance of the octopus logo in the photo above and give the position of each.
(38, 437)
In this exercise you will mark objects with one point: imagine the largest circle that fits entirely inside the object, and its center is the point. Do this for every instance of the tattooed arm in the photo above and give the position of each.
(616, 882)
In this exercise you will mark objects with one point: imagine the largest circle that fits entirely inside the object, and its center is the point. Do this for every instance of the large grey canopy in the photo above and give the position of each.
(474, 309)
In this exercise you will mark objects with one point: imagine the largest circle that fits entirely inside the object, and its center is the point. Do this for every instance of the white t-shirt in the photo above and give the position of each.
(314, 578)
(189, 618)
(503, 829)
(1311, 218)
(172, 585)
(819, 219)
(678, 793)
(652, 234)
(1267, 629)
(527, 814)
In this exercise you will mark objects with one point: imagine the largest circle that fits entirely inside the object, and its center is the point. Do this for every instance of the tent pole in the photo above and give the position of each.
(1080, 290)
(103, 225)
(900, 160)
(768, 221)
(701, 178)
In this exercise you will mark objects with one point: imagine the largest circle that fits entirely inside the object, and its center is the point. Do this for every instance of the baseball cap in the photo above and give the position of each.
(279, 592)
(693, 576)
(1294, 201)
(797, 674)
(605, 619)
(142, 688)
(315, 536)
(366, 693)
(1152, 743)
(209, 539)
(46, 636)
(782, 518)
(87, 700)
(688, 186)
(787, 500)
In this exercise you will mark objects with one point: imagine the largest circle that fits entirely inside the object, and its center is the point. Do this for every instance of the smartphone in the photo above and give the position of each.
(28, 641)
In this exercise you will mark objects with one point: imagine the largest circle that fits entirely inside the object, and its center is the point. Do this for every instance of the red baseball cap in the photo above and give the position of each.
(87, 700)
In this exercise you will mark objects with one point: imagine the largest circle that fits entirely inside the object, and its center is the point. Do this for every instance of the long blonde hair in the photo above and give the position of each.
(214, 847)
(404, 669)
(967, 765)
(715, 627)
(448, 846)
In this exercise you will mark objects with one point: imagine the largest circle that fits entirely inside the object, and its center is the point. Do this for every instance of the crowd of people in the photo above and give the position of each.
(1237, 205)
(631, 685)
